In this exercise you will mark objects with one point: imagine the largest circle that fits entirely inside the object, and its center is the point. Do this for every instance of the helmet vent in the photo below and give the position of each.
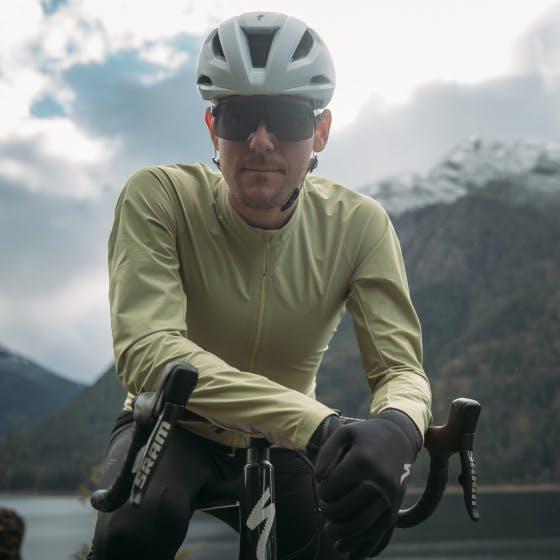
(320, 80)
(217, 47)
(259, 47)
(204, 80)
(304, 46)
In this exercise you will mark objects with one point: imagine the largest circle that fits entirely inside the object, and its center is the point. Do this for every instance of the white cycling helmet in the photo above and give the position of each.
(265, 53)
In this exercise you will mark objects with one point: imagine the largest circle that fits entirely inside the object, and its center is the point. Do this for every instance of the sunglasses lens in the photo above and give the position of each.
(289, 121)
(233, 121)
(292, 121)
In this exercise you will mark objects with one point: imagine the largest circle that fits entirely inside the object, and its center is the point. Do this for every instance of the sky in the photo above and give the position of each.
(92, 90)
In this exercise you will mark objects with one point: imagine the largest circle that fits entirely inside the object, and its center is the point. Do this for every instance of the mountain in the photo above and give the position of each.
(60, 452)
(29, 392)
(485, 276)
(470, 165)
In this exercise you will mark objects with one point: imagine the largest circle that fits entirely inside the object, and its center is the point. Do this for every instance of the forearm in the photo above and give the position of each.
(225, 395)
(388, 331)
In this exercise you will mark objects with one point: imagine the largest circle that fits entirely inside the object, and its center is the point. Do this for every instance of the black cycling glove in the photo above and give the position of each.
(321, 434)
(362, 470)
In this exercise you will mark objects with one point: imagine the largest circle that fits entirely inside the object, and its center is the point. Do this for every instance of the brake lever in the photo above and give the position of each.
(455, 436)
(468, 477)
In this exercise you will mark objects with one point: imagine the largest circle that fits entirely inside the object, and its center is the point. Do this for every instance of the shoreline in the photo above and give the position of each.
(455, 488)
(46, 494)
(452, 488)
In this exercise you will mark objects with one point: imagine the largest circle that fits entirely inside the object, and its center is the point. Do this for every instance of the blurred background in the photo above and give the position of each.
(446, 111)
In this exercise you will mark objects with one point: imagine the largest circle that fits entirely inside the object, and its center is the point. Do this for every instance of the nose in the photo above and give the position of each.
(261, 140)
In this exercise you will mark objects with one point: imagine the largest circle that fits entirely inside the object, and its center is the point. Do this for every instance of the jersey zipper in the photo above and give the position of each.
(260, 314)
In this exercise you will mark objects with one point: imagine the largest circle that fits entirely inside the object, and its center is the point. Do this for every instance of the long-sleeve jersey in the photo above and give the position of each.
(254, 310)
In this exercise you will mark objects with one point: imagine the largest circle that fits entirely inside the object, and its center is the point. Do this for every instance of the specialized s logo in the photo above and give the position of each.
(262, 512)
(406, 473)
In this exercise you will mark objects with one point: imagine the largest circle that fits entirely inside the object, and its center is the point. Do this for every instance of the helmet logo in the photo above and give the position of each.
(260, 16)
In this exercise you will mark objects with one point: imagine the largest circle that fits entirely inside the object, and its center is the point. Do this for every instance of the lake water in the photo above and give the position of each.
(514, 526)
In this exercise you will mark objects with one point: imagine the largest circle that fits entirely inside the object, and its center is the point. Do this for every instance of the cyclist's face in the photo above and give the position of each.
(262, 171)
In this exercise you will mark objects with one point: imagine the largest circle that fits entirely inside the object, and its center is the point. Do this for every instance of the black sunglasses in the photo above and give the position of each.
(236, 118)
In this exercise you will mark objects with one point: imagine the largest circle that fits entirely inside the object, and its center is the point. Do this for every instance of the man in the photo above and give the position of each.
(245, 274)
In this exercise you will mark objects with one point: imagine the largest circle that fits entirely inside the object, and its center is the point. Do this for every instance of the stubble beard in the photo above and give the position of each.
(259, 195)
(260, 192)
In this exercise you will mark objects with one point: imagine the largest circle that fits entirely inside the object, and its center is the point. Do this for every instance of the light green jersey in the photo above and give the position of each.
(254, 310)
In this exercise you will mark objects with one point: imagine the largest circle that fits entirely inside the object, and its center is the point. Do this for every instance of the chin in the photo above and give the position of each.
(262, 196)
(262, 184)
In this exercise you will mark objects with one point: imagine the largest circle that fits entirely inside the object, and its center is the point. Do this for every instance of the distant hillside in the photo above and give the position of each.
(485, 278)
(29, 392)
(484, 273)
(59, 452)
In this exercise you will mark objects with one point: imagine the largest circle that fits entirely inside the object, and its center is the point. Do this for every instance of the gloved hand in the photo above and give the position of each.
(362, 470)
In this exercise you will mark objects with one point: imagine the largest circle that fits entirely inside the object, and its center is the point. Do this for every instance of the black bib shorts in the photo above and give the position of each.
(190, 462)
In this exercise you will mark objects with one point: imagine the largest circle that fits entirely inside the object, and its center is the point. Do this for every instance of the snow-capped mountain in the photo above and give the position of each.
(534, 166)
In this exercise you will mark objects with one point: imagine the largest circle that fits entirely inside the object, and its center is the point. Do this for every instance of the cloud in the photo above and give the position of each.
(413, 136)
(114, 50)
(47, 107)
(53, 286)
(51, 6)
(91, 93)
(90, 125)
(46, 239)
(155, 121)
(67, 330)
(539, 50)
(57, 157)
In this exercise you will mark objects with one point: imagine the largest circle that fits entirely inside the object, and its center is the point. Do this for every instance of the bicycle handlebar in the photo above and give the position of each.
(455, 436)
(155, 415)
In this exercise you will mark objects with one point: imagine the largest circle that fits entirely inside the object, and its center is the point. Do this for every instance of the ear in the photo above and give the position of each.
(322, 128)
(209, 120)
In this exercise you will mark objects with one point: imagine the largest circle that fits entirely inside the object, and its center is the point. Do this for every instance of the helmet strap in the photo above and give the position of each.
(216, 159)
(313, 162)
(290, 200)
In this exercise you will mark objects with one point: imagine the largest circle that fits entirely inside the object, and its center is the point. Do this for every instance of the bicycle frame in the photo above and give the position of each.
(257, 514)
(155, 415)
